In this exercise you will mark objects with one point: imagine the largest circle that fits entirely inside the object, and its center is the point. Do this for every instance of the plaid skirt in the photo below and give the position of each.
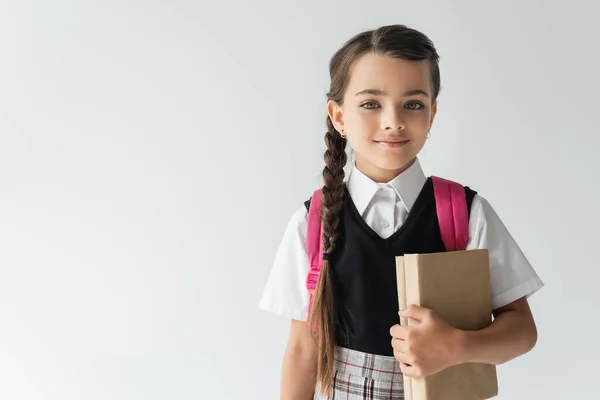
(362, 376)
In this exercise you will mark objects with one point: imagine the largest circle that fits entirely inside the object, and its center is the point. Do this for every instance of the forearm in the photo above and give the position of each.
(510, 335)
(298, 374)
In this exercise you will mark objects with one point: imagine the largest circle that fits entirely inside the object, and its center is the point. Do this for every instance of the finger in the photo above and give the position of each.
(400, 345)
(415, 312)
(399, 331)
(408, 370)
(403, 358)
(411, 369)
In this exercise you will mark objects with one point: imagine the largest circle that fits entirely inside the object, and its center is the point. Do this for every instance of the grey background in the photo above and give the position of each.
(152, 153)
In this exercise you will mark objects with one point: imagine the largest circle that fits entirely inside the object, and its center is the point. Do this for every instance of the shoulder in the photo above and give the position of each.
(285, 292)
(511, 274)
(483, 212)
(485, 221)
(293, 241)
(299, 218)
(307, 202)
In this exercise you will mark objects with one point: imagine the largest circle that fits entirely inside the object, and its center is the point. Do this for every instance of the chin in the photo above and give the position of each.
(394, 163)
(394, 166)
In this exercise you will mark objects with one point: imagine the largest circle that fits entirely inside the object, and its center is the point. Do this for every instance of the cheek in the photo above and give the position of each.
(418, 125)
(363, 124)
(422, 119)
(362, 133)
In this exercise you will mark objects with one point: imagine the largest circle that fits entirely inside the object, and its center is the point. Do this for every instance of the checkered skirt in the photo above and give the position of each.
(362, 376)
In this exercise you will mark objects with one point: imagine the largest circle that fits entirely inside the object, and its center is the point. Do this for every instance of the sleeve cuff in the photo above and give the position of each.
(525, 289)
(280, 310)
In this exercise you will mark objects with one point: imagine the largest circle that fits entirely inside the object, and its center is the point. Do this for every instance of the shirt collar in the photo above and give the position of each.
(407, 185)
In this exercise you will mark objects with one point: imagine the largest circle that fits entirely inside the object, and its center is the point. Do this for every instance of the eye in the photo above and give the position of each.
(415, 105)
(369, 105)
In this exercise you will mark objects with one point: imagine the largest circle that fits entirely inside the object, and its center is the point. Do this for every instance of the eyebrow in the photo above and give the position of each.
(377, 92)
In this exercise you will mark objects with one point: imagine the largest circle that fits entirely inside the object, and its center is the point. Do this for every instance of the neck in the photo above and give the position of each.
(380, 175)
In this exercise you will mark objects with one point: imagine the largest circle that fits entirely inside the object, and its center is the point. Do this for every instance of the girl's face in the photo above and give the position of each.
(386, 114)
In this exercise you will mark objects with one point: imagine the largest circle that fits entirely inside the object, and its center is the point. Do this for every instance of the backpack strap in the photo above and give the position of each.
(314, 244)
(453, 216)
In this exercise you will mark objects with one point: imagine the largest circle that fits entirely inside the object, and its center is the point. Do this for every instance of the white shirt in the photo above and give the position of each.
(384, 207)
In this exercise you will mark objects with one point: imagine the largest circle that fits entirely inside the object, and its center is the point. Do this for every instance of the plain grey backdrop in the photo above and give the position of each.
(152, 153)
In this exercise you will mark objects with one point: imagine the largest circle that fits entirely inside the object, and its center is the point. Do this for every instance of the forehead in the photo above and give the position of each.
(393, 75)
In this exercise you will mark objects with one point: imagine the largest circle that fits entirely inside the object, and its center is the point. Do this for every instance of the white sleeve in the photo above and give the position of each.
(511, 274)
(285, 293)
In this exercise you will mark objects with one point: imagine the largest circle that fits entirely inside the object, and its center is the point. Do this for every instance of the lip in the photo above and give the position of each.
(392, 142)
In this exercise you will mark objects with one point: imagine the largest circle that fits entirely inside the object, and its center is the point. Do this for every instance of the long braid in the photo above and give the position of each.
(323, 310)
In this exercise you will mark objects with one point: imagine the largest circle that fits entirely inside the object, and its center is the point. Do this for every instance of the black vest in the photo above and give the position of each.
(364, 271)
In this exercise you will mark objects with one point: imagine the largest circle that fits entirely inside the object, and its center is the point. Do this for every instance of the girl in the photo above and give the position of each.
(382, 101)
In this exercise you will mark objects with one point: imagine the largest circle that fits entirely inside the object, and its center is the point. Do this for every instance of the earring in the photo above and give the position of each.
(342, 135)
(428, 134)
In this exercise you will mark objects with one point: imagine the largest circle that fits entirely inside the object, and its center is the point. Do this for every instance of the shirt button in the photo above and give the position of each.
(385, 224)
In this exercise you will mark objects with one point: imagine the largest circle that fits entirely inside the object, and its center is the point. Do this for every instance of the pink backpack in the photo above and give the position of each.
(453, 218)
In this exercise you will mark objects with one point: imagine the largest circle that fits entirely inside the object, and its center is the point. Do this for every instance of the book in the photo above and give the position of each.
(456, 286)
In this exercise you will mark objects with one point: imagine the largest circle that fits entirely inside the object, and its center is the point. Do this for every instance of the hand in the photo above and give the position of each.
(428, 347)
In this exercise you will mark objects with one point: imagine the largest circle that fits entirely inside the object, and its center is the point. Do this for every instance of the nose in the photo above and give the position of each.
(392, 119)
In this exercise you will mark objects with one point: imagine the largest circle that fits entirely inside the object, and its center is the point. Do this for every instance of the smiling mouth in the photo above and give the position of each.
(392, 142)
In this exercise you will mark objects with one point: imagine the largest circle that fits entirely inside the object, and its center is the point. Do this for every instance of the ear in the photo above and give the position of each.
(334, 110)
(433, 112)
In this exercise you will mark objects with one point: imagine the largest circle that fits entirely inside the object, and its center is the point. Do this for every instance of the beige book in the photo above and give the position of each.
(456, 286)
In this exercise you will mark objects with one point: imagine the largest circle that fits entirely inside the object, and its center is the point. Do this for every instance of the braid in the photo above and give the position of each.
(333, 191)
(323, 311)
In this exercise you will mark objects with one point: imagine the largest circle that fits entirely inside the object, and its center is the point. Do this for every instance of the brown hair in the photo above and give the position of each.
(397, 41)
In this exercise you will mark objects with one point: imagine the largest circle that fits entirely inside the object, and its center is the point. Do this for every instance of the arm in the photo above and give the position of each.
(512, 334)
(299, 365)
(513, 331)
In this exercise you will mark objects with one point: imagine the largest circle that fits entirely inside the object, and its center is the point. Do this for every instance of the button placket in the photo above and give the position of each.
(388, 217)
